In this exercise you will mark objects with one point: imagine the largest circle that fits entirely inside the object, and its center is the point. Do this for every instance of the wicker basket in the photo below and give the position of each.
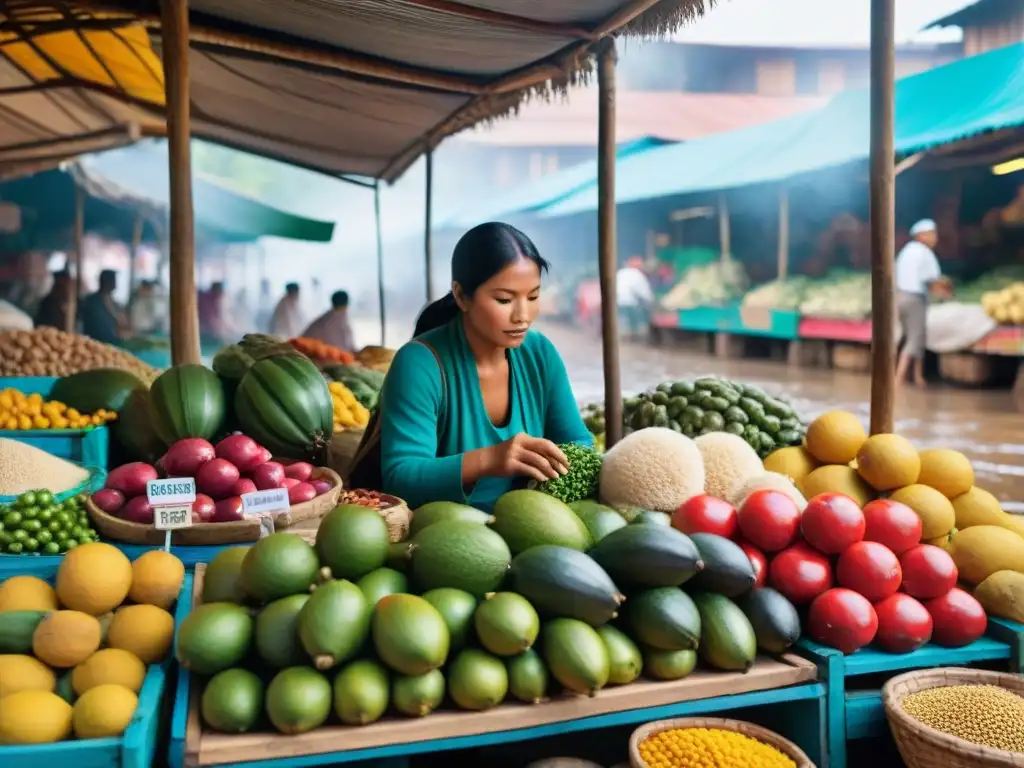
(398, 516)
(924, 747)
(965, 368)
(771, 738)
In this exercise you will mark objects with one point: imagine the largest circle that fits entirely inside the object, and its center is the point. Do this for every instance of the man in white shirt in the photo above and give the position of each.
(634, 297)
(288, 322)
(917, 270)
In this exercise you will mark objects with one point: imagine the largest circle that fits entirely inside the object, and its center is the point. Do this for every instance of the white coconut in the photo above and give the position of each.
(770, 481)
(652, 468)
(729, 462)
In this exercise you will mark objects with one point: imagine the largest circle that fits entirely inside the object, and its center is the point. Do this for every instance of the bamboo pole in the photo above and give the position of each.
(71, 321)
(783, 245)
(883, 215)
(380, 264)
(428, 227)
(606, 240)
(724, 226)
(185, 346)
(133, 257)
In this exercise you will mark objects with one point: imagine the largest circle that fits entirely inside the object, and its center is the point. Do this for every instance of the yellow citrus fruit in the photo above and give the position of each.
(836, 478)
(794, 462)
(948, 472)
(888, 461)
(934, 509)
(835, 437)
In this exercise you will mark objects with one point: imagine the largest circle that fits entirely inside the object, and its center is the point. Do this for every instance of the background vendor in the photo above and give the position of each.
(917, 274)
(478, 402)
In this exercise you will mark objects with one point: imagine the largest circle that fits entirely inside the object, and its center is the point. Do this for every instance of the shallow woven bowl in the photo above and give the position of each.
(924, 747)
(785, 746)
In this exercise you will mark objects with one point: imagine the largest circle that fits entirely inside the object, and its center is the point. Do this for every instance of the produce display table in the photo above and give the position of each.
(732, 318)
(789, 679)
(854, 707)
(88, 447)
(136, 748)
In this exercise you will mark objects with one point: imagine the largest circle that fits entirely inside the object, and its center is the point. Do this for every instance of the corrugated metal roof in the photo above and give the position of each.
(671, 116)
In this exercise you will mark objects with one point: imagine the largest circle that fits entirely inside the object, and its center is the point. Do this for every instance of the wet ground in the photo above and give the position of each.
(983, 424)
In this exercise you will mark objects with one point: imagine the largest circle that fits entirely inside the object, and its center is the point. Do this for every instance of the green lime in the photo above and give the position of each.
(5, 539)
(14, 548)
(47, 514)
(27, 499)
(32, 526)
(60, 536)
(44, 536)
(85, 539)
(65, 517)
(31, 545)
(68, 545)
(51, 548)
(19, 535)
(1, 526)
(72, 503)
(54, 526)
(30, 513)
(12, 519)
(44, 498)
(82, 497)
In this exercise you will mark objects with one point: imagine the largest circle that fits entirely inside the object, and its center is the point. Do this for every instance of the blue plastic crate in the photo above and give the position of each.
(134, 749)
(854, 712)
(90, 447)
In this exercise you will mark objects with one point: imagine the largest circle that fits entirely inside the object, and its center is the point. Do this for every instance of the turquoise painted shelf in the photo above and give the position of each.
(135, 749)
(854, 701)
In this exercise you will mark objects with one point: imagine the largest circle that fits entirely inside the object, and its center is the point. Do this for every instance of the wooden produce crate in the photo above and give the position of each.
(854, 708)
(965, 368)
(788, 678)
(855, 358)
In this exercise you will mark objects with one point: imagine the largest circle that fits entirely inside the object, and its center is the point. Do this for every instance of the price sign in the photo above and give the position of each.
(172, 517)
(172, 491)
(265, 502)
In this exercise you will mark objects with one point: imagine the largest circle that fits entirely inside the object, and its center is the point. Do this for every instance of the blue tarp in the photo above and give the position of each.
(529, 197)
(941, 106)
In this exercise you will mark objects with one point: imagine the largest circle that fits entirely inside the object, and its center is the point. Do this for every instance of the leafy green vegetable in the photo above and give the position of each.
(581, 480)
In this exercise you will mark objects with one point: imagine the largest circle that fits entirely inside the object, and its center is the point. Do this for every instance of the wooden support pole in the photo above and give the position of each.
(185, 346)
(783, 253)
(428, 227)
(724, 226)
(380, 264)
(606, 240)
(883, 216)
(133, 258)
(71, 321)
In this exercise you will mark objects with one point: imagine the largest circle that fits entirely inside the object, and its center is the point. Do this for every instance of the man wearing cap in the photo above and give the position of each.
(917, 270)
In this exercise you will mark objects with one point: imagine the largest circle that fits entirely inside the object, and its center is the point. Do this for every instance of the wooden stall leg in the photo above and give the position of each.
(1018, 388)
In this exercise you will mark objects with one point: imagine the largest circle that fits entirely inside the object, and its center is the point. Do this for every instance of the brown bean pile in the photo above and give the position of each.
(363, 498)
(50, 352)
(982, 714)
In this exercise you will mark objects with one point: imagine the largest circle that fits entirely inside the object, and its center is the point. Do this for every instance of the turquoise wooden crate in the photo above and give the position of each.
(734, 319)
(854, 707)
(134, 749)
(90, 446)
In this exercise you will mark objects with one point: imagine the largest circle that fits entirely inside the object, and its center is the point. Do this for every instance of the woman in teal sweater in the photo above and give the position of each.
(478, 402)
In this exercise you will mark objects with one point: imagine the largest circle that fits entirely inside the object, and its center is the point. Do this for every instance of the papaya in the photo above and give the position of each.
(985, 549)
(187, 401)
(134, 431)
(1002, 595)
(99, 388)
(979, 507)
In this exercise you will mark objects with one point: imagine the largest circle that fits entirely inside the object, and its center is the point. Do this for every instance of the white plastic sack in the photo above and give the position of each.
(13, 319)
(953, 326)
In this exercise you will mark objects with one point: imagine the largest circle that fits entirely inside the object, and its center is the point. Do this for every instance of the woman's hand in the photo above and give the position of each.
(532, 457)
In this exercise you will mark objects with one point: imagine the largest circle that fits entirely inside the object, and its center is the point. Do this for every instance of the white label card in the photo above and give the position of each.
(172, 517)
(263, 502)
(172, 491)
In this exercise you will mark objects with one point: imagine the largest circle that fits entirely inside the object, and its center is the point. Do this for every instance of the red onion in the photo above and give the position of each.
(301, 492)
(244, 485)
(229, 510)
(109, 500)
(300, 470)
(242, 451)
(321, 487)
(203, 509)
(137, 510)
(268, 475)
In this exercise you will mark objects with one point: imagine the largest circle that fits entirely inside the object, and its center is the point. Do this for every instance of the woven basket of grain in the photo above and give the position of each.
(922, 746)
(785, 746)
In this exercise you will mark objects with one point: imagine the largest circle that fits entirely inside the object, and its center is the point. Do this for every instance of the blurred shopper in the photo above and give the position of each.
(287, 321)
(634, 298)
(917, 273)
(216, 323)
(144, 309)
(264, 308)
(55, 308)
(333, 327)
(101, 317)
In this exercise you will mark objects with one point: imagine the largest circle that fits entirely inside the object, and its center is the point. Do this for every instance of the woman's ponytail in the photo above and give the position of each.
(436, 314)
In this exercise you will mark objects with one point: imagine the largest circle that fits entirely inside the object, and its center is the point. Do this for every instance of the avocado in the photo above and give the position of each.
(457, 609)
(400, 556)
(477, 680)
(64, 687)
(417, 695)
(436, 511)
(352, 541)
(624, 661)
(222, 580)
(277, 632)
(664, 618)
(279, 565)
(16, 629)
(527, 519)
(774, 619)
(648, 556)
(382, 582)
(527, 677)
(599, 519)
(298, 700)
(561, 582)
(650, 517)
(361, 692)
(409, 634)
(454, 553)
(668, 665)
(334, 623)
(575, 655)
(506, 624)
(727, 569)
(232, 701)
(728, 641)
(214, 637)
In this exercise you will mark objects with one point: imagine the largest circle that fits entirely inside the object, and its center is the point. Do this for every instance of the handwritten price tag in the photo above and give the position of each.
(265, 502)
(171, 491)
(172, 518)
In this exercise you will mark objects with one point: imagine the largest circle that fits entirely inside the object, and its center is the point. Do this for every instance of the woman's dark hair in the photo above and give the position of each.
(479, 255)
